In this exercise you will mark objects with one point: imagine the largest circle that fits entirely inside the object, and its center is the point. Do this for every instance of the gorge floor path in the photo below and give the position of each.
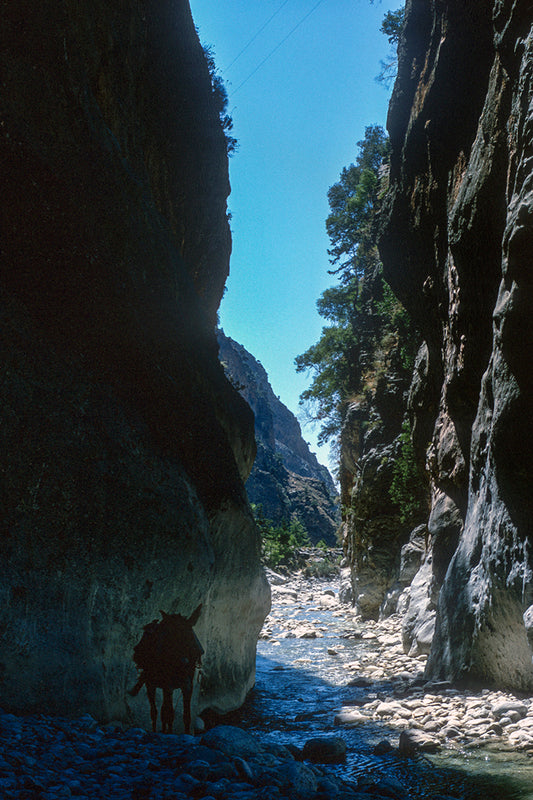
(321, 674)
(321, 670)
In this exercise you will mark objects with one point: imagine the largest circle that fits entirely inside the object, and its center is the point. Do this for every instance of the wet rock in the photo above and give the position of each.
(325, 750)
(306, 632)
(296, 776)
(383, 747)
(360, 681)
(349, 717)
(413, 741)
(232, 741)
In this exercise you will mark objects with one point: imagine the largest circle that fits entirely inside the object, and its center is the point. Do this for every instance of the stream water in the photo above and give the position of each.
(300, 686)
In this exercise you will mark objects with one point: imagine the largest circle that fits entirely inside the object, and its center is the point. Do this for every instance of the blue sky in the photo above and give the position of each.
(299, 107)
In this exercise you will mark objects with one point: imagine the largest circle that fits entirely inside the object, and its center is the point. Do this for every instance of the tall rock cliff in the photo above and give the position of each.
(457, 242)
(375, 458)
(123, 447)
(286, 480)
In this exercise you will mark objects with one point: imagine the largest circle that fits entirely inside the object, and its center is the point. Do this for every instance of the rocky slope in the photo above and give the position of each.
(456, 244)
(286, 480)
(124, 448)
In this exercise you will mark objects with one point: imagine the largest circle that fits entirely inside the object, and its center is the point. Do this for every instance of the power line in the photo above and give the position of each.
(254, 37)
(277, 47)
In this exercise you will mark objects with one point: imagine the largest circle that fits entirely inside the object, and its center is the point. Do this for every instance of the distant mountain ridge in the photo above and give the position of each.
(287, 480)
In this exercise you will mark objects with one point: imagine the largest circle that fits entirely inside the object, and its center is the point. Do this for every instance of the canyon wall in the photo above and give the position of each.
(286, 480)
(456, 245)
(378, 515)
(124, 449)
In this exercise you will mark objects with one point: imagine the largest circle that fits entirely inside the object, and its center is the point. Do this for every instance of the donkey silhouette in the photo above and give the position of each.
(168, 655)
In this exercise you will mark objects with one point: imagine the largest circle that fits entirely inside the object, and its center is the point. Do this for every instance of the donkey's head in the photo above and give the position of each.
(179, 630)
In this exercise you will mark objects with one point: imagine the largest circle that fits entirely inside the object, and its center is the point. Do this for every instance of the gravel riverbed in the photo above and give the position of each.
(435, 713)
(382, 691)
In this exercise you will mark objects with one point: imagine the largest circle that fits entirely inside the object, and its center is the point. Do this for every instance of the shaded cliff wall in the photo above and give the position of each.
(123, 446)
(286, 480)
(456, 247)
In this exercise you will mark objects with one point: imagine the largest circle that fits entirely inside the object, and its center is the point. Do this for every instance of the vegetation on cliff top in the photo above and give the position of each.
(368, 327)
(220, 96)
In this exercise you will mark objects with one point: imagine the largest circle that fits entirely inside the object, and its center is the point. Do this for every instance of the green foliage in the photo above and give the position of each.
(404, 490)
(366, 321)
(354, 201)
(396, 319)
(391, 27)
(279, 541)
(392, 24)
(321, 568)
(220, 96)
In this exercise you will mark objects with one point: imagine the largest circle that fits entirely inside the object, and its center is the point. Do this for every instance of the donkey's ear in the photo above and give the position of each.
(193, 619)
(163, 613)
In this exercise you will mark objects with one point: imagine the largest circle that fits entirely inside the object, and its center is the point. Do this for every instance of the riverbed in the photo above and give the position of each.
(322, 671)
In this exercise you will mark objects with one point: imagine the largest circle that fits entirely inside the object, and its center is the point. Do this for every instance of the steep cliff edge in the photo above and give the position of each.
(124, 447)
(456, 246)
(286, 480)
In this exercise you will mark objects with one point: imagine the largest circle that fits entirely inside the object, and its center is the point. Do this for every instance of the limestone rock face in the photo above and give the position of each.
(286, 480)
(456, 246)
(374, 527)
(123, 446)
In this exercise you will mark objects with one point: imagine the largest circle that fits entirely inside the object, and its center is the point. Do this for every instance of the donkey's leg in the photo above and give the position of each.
(150, 691)
(167, 711)
(186, 691)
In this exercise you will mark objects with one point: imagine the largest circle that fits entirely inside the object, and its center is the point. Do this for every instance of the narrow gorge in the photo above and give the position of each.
(137, 439)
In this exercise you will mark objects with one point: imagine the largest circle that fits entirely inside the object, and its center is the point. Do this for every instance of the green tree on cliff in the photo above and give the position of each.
(358, 309)
(220, 96)
(391, 26)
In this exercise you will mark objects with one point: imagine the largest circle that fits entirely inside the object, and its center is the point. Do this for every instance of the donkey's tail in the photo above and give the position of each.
(138, 686)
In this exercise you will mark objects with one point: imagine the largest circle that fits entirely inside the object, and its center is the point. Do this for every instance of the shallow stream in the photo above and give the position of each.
(300, 686)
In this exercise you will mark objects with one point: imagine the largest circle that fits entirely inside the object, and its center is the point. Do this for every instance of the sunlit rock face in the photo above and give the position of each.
(123, 447)
(286, 482)
(457, 247)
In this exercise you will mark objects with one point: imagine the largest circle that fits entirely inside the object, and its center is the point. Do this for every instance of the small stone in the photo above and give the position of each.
(386, 709)
(243, 768)
(322, 750)
(349, 717)
(504, 709)
(232, 741)
(452, 732)
(383, 747)
(360, 682)
(413, 741)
